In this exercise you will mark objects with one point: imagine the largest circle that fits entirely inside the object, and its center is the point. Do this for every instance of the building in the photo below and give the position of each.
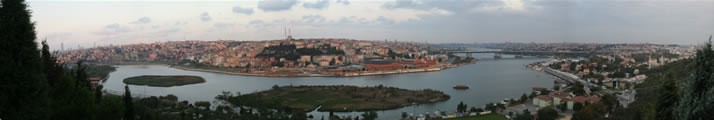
(542, 101)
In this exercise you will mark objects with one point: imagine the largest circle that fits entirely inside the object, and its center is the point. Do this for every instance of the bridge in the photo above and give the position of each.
(522, 52)
(530, 53)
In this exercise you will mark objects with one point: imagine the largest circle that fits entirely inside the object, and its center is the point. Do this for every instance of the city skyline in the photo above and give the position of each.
(105, 22)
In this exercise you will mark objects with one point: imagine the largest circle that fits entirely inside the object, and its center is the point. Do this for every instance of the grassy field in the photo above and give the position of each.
(482, 117)
(163, 81)
(338, 98)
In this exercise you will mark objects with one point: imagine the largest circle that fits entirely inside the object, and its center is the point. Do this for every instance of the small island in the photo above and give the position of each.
(163, 81)
(338, 98)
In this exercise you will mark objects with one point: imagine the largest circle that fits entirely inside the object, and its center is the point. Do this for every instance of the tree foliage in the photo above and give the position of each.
(547, 113)
(371, 115)
(594, 111)
(23, 86)
(697, 102)
(128, 104)
(461, 107)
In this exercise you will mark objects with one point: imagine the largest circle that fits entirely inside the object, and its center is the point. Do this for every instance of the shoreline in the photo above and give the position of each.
(325, 74)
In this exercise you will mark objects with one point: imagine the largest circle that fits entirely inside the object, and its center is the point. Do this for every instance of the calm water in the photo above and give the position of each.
(490, 81)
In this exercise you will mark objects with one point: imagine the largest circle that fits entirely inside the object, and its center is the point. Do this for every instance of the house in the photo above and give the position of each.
(581, 99)
(542, 101)
(559, 97)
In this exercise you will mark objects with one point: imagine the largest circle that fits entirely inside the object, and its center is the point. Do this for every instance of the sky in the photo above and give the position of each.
(88, 23)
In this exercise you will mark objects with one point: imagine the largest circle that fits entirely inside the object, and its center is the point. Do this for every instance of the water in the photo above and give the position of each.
(490, 81)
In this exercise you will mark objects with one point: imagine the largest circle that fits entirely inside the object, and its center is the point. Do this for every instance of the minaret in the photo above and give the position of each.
(290, 36)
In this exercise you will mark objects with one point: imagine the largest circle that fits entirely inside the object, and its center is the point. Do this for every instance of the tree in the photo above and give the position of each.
(22, 83)
(593, 111)
(526, 115)
(697, 102)
(533, 94)
(53, 70)
(556, 88)
(332, 62)
(404, 115)
(371, 115)
(128, 104)
(578, 89)
(563, 106)
(547, 113)
(577, 106)
(491, 107)
(524, 98)
(474, 109)
(610, 101)
(461, 107)
(668, 98)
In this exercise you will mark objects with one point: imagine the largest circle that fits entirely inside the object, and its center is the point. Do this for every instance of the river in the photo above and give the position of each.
(490, 81)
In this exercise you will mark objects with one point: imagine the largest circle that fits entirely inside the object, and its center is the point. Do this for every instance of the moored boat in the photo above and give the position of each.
(461, 87)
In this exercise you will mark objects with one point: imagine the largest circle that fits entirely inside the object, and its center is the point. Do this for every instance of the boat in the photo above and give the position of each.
(461, 87)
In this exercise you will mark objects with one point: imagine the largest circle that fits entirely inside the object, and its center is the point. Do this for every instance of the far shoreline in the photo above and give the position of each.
(351, 74)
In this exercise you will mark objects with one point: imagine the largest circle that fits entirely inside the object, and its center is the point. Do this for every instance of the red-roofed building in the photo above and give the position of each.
(582, 100)
(558, 97)
(543, 100)
(377, 67)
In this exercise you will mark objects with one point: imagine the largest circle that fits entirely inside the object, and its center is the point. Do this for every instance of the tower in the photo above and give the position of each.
(289, 36)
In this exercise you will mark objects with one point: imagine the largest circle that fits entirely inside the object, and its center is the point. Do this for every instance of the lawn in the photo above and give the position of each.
(482, 117)
(163, 81)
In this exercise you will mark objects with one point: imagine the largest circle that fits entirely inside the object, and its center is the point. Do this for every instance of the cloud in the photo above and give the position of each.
(506, 6)
(58, 36)
(113, 29)
(256, 22)
(403, 4)
(239, 10)
(384, 20)
(205, 17)
(166, 32)
(276, 5)
(142, 20)
(319, 4)
(345, 2)
(223, 25)
(313, 19)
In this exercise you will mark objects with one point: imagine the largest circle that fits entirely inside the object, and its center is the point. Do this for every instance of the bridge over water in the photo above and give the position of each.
(527, 53)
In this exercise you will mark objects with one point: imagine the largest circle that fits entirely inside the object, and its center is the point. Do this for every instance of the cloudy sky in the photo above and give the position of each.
(105, 22)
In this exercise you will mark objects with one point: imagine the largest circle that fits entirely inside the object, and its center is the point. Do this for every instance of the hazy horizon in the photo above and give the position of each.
(105, 22)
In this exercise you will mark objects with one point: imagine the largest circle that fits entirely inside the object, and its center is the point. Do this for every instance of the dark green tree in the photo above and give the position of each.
(461, 107)
(547, 113)
(404, 115)
(371, 115)
(594, 111)
(697, 102)
(668, 98)
(526, 115)
(524, 98)
(610, 101)
(53, 70)
(23, 86)
(128, 104)
(577, 106)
